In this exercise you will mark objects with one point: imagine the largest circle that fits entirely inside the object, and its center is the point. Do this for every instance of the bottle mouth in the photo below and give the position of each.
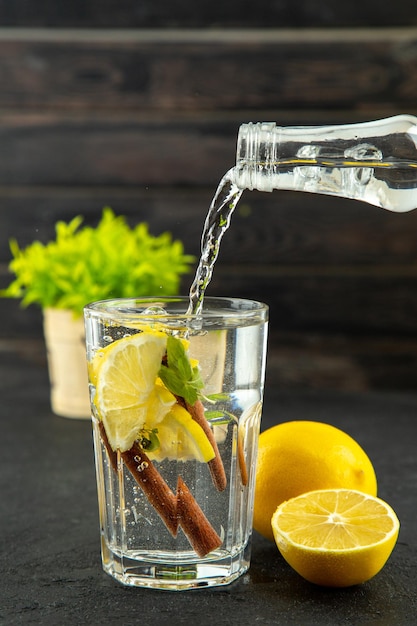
(255, 156)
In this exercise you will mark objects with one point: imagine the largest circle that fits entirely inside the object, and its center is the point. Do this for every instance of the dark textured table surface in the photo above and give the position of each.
(50, 553)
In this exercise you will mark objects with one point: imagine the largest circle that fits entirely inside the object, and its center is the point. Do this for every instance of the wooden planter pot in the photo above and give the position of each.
(65, 344)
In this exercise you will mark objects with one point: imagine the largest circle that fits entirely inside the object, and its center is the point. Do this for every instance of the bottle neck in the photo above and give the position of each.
(257, 155)
(305, 158)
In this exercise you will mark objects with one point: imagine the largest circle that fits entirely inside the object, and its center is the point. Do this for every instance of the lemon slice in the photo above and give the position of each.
(128, 397)
(131, 399)
(181, 438)
(335, 537)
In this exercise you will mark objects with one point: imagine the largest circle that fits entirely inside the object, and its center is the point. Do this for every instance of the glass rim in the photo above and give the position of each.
(213, 306)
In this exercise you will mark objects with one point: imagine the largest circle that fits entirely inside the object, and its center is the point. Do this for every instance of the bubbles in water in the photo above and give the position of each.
(135, 515)
(154, 310)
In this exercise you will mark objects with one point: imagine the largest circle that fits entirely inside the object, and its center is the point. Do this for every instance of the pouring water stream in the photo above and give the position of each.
(374, 162)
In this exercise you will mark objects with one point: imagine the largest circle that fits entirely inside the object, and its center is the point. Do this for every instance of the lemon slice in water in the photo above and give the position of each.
(181, 438)
(131, 399)
(127, 395)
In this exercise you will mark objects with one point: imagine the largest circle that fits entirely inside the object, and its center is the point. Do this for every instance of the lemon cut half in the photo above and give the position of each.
(335, 537)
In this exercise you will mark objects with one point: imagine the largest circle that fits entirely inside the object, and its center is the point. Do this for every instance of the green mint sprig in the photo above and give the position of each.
(178, 375)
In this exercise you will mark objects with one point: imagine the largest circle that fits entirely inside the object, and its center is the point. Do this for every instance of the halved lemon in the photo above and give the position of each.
(335, 537)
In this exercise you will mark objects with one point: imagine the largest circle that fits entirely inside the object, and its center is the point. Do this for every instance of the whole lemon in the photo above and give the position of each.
(301, 456)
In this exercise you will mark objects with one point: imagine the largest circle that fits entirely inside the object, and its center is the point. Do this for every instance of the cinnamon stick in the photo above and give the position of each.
(241, 459)
(176, 510)
(153, 486)
(215, 465)
(194, 523)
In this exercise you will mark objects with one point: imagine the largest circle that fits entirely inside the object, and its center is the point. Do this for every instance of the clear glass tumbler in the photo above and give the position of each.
(176, 405)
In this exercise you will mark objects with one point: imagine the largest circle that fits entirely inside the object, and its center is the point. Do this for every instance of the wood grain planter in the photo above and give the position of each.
(65, 344)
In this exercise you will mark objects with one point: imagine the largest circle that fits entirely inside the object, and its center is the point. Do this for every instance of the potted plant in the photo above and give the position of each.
(81, 265)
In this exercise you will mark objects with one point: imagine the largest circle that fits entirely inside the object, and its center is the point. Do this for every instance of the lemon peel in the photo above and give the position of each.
(299, 456)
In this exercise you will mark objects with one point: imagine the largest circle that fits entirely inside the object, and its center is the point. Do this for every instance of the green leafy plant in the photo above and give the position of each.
(84, 264)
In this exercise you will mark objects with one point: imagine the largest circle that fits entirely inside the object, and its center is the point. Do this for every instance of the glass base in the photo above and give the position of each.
(175, 574)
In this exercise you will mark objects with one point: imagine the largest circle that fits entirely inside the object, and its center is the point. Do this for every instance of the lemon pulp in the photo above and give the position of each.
(335, 537)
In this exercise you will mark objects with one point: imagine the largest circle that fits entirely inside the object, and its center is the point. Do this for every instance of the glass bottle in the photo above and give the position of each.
(375, 162)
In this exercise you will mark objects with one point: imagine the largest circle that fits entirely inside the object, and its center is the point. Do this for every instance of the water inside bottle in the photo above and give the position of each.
(359, 172)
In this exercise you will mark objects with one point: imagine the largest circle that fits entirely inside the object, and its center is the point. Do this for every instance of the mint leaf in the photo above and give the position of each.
(178, 375)
(172, 381)
(217, 397)
(178, 359)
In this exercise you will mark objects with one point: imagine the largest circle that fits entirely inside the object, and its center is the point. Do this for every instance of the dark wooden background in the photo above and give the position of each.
(137, 105)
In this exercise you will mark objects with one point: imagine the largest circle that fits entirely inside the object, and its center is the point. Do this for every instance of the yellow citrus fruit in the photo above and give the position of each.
(127, 396)
(132, 400)
(335, 537)
(103, 354)
(300, 456)
(181, 438)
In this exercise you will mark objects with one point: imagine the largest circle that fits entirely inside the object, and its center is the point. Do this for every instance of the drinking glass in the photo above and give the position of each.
(170, 519)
